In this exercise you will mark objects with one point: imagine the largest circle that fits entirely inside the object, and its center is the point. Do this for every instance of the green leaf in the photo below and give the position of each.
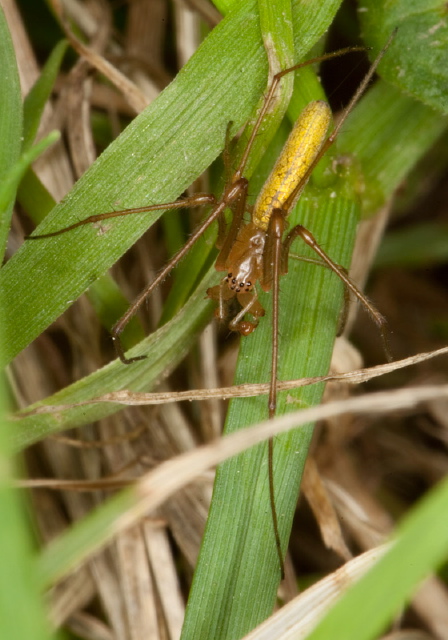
(34, 197)
(18, 580)
(421, 545)
(39, 94)
(19, 587)
(417, 62)
(13, 177)
(223, 5)
(10, 126)
(155, 159)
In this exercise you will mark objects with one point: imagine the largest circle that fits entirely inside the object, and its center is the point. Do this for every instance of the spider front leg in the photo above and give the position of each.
(198, 232)
(233, 194)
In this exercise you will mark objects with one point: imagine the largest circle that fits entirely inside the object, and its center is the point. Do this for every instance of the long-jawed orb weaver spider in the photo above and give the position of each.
(258, 250)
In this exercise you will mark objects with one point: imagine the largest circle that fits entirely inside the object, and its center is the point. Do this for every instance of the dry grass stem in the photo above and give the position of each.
(126, 397)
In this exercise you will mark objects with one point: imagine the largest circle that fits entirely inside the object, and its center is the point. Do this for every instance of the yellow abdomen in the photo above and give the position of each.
(301, 148)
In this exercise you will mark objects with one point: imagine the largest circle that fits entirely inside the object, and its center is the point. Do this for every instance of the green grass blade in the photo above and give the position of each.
(19, 588)
(421, 546)
(239, 542)
(10, 126)
(19, 584)
(13, 177)
(39, 94)
(156, 158)
(224, 6)
(418, 59)
(34, 197)
(70, 549)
